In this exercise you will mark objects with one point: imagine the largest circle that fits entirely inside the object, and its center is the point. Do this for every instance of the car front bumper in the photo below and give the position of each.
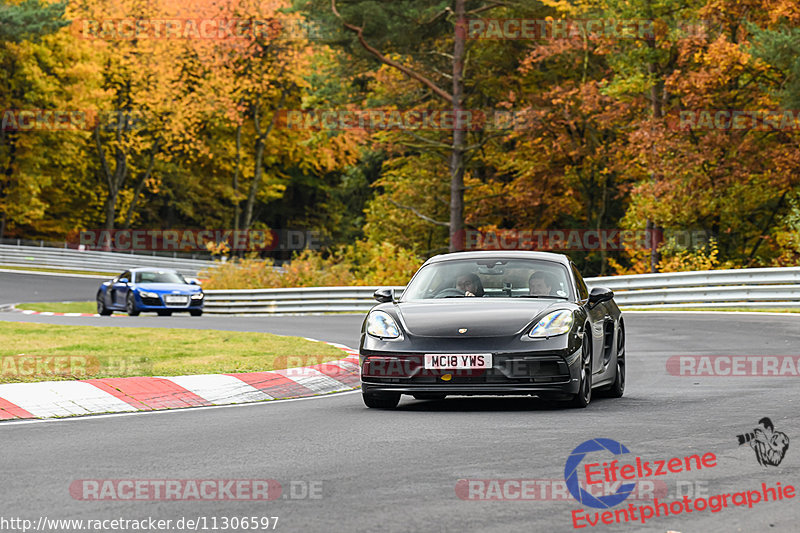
(518, 373)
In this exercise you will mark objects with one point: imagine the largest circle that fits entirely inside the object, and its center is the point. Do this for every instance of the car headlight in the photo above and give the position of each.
(552, 324)
(380, 324)
(147, 294)
(197, 296)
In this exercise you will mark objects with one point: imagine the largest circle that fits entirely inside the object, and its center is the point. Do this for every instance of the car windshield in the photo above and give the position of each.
(162, 276)
(490, 278)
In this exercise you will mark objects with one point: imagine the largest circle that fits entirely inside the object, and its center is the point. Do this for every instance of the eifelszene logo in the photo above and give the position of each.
(770, 445)
(571, 474)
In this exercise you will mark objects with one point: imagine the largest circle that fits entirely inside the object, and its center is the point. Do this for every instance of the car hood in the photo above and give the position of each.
(481, 317)
(167, 287)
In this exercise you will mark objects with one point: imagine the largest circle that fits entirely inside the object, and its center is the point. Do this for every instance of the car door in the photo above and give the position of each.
(119, 291)
(597, 319)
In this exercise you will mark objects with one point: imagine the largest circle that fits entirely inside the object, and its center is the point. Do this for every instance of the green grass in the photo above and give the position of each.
(60, 307)
(738, 309)
(84, 352)
(57, 270)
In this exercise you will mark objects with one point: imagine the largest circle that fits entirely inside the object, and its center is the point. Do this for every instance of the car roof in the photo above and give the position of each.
(501, 254)
(151, 269)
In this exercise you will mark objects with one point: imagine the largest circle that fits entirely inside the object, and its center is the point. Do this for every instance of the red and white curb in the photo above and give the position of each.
(49, 313)
(13, 307)
(49, 399)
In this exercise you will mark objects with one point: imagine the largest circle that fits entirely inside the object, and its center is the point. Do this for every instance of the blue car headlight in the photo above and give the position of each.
(382, 325)
(197, 296)
(148, 294)
(552, 324)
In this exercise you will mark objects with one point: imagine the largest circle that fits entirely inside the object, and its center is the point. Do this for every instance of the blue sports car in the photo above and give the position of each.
(149, 289)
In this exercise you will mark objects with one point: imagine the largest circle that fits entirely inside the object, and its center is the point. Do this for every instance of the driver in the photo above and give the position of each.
(470, 284)
(541, 284)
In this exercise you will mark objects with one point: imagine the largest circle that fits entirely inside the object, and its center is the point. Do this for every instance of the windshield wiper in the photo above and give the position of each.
(541, 296)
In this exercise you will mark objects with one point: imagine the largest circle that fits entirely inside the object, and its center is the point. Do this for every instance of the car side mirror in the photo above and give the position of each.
(600, 295)
(384, 295)
(123, 280)
(193, 282)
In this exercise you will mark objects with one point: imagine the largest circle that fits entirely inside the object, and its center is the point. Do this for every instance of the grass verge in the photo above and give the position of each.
(44, 352)
(60, 307)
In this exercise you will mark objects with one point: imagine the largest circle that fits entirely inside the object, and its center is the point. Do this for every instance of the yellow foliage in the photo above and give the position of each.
(359, 264)
(640, 263)
(679, 259)
(674, 258)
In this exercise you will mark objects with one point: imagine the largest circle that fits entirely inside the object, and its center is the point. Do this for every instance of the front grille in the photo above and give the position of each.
(151, 301)
(508, 368)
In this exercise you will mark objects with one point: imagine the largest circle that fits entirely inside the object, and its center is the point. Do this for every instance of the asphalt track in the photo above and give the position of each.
(398, 470)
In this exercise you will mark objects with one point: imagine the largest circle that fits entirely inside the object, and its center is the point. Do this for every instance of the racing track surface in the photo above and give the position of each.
(397, 470)
(45, 288)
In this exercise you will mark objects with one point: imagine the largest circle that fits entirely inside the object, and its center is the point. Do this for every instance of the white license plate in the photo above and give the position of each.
(456, 361)
(176, 299)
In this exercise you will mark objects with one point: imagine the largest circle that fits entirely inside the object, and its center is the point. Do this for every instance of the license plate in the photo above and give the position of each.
(176, 299)
(457, 361)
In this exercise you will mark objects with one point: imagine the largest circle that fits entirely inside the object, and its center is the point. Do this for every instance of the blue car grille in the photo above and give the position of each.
(151, 301)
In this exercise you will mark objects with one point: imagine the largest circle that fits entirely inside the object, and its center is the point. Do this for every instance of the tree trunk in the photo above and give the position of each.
(457, 240)
(139, 186)
(251, 196)
(235, 184)
(9, 170)
(113, 180)
(261, 139)
(658, 113)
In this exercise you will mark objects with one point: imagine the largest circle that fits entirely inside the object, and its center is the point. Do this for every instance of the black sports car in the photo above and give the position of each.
(469, 323)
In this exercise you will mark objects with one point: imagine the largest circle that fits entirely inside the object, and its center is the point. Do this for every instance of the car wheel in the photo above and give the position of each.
(431, 396)
(618, 388)
(130, 305)
(196, 312)
(102, 310)
(381, 401)
(164, 313)
(584, 395)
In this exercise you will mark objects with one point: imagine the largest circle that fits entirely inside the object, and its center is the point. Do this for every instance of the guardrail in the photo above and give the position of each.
(299, 300)
(753, 288)
(93, 261)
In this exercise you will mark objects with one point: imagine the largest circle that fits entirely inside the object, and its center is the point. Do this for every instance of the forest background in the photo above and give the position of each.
(221, 125)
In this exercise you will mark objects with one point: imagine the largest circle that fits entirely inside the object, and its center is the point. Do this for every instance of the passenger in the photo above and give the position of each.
(470, 284)
(541, 284)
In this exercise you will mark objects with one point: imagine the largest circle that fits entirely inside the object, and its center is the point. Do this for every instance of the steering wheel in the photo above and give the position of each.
(450, 291)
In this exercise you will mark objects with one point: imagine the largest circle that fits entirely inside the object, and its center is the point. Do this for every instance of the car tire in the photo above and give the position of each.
(584, 395)
(617, 389)
(164, 313)
(430, 396)
(381, 401)
(102, 310)
(130, 305)
(196, 312)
